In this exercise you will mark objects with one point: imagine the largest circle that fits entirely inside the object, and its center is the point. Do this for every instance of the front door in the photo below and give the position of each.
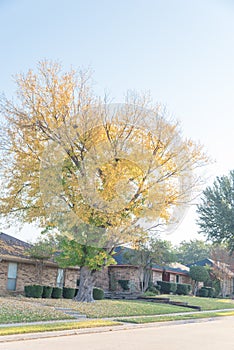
(166, 276)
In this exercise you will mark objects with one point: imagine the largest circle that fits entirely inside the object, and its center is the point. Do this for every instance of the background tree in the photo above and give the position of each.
(70, 159)
(42, 250)
(198, 274)
(216, 211)
(147, 253)
(192, 251)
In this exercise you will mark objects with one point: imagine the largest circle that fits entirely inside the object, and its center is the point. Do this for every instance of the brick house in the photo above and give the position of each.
(176, 273)
(17, 269)
(223, 272)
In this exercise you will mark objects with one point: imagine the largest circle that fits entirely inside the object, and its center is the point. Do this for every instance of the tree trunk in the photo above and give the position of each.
(87, 280)
(223, 288)
(195, 288)
(39, 271)
(147, 278)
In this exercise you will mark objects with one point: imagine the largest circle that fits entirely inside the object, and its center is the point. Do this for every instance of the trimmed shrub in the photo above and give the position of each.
(56, 293)
(183, 288)
(47, 291)
(203, 292)
(211, 291)
(148, 294)
(158, 287)
(217, 287)
(124, 284)
(167, 287)
(68, 293)
(98, 294)
(28, 291)
(33, 291)
(152, 289)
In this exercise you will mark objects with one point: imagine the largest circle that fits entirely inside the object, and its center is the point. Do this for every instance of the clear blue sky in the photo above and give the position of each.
(180, 50)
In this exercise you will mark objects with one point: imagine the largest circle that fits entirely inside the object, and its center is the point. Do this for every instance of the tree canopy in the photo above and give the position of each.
(198, 274)
(70, 158)
(216, 211)
(147, 253)
(192, 251)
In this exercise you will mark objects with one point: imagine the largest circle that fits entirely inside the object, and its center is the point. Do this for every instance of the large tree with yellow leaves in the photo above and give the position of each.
(70, 160)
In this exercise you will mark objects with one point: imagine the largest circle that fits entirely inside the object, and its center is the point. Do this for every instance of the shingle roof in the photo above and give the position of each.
(121, 258)
(203, 262)
(215, 264)
(13, 246)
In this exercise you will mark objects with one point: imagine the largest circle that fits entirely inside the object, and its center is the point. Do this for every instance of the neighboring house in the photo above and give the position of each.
(17, 269)
(175, 272)
(222, 272)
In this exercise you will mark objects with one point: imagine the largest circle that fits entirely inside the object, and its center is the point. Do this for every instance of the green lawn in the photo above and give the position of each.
(115, 308)
(204, 303)
(150, 319)
(14, 310)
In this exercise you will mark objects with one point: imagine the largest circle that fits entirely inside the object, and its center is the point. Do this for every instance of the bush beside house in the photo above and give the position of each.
(183, 289)
(98, 294)
(167, 287)
(33, 291)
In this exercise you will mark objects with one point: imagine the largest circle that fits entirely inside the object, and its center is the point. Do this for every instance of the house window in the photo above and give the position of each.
(11, 276)
(177, 278)
(60, 278)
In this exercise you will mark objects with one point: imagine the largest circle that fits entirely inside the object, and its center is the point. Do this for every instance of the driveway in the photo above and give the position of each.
(215, 334)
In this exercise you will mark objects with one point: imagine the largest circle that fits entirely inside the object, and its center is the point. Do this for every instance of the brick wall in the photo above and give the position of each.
(3, 277)
(185, 279)
(35, 274)
(71, 277)
(157, 276)
(102, 279)
(130, 273)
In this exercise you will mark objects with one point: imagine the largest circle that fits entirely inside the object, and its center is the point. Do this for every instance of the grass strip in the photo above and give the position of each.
(150, 319)
(206, 304)
(55, 327)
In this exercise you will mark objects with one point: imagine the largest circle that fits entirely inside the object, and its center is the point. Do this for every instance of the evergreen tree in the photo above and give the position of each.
(216, 212)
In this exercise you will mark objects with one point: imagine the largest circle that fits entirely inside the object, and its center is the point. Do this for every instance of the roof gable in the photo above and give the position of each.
(12, 246)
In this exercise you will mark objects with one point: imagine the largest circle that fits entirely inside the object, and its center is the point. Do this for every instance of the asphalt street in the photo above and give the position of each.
(214, 334)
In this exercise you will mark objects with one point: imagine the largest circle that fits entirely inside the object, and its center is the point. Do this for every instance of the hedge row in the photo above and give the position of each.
(38, 291)
(176, 288)
(183, 288)
(206, 292)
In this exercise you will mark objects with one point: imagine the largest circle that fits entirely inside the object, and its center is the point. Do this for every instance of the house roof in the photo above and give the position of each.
(215, 264)
(173, 268)
(121, 257)
(11, 246)
(203, 262)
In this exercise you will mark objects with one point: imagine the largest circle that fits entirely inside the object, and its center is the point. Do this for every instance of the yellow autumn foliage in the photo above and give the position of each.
(69, 157)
